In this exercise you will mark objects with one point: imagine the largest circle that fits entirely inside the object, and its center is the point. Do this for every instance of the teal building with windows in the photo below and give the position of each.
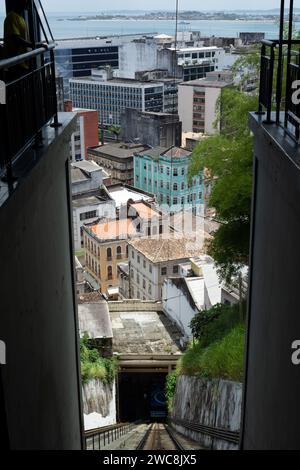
(165, 173)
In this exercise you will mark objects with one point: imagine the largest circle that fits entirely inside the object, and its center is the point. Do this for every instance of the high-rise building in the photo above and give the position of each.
(197, 102)
(109, 96)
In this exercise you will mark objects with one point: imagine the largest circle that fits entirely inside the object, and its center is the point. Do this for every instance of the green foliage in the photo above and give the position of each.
(93, 366)
(228, 156)
(116, 130)
(170, 388)
(222, 359)
(211, 325)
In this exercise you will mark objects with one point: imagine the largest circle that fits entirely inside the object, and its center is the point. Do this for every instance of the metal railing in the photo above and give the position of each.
(30, 96)
(98, 439)
(279, 76)
(214, 432)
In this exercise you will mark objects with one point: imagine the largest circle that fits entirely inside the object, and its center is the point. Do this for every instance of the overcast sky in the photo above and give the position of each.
(101, 5)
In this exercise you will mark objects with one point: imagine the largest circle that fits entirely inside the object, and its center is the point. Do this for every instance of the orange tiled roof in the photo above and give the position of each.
(114, 229)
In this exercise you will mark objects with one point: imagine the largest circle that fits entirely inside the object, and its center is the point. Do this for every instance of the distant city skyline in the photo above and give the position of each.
(95, 5)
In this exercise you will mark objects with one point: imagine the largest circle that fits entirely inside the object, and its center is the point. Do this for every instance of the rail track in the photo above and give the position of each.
(159, 437)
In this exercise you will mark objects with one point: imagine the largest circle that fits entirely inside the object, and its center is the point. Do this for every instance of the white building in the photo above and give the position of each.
(90, 199)
(153, 260)
(109, 96)
(189, 294)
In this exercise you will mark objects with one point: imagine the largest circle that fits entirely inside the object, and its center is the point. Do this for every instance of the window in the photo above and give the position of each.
(175, 172)
(119, 252)
(175, 201)
(182, 186)
(200, 195)
(139, 259)
(132, 254)
(144, 284)
(164, 271)
(144, 264)
(160, 229)
(182, 171)
(176, 269)
(109, 273)
(150, 268)
(88, 215)
(168, 171)
(175, 187)
(127, 250)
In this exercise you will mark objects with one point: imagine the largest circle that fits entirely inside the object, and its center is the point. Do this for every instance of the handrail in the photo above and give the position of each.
(19, 59)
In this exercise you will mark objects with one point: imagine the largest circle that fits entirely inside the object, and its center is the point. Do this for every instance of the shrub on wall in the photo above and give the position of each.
(93, 366)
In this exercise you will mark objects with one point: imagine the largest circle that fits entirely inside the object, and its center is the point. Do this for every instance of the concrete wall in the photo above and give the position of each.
(134, 306)
(185, 107)
(136, 57)
(99, 404)
(272, 385)
(211, 98)
(177, 307)
(38, 319)
(215, 403)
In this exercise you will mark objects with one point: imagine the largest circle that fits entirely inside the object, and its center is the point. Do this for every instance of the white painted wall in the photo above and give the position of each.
(106, 209)
(99, 404)
(185, 107)
(211, 98)
(136, 57)
(177, 307)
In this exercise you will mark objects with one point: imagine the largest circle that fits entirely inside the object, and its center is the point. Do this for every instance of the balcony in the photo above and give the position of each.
(273, 311)
(38, 321)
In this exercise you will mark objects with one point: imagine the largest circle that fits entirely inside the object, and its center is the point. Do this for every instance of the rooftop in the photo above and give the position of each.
(117, 150)
(86, 165)
(87, 201)
(159, 250)
(122, 194)
(144, 332)
(113, 230)
(94, 320)
(143, 210)
(207, 83)
(117, 81)
(173, 152)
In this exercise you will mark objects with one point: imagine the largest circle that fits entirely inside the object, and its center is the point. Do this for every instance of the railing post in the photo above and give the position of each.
(270, 85)
(55, 124)
(263, 53)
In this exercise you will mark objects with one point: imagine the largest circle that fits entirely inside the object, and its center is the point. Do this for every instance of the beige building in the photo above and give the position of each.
(106, 243)
(105, 246)
(152, 260)
(197, 102)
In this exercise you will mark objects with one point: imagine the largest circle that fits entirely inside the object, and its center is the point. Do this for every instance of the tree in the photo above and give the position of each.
(228, 156)
(116, 130)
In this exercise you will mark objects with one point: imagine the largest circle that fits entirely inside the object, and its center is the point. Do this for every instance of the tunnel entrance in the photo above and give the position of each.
(141, 396)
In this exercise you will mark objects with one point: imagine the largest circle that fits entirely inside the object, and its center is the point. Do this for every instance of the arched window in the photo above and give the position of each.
(109, 273)
(119, 252)
(109, 254)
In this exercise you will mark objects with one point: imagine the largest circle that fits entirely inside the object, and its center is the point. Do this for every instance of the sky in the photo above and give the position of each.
(101, 5)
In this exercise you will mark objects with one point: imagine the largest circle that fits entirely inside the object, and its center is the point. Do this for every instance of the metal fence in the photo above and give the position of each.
(100, 438)
(280, 75)
(30, 102)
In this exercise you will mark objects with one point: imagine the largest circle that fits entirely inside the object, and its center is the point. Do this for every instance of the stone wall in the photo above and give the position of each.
(213, 403)
(99, 404)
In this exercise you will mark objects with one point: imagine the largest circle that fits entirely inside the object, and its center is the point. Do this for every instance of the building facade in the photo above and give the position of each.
(86, 134)
(165, 173)
(153, 260)
(117, 159)
(152, 129)
(197, 103)
(109, 96)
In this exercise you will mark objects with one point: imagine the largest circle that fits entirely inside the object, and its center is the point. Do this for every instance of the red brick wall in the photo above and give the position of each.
(91, 136)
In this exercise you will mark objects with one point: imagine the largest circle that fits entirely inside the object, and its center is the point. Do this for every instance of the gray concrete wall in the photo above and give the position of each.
(272, 382)
(135, 306)
(38, 311)
(215, 403)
